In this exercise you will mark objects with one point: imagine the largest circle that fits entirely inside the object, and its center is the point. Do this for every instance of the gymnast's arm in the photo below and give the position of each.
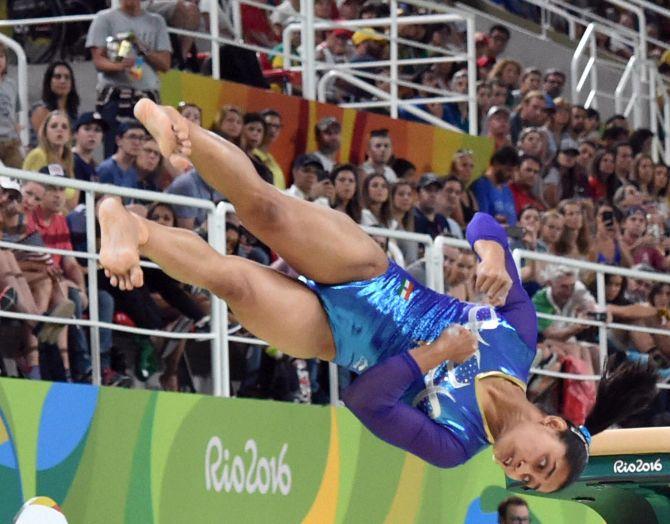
(518, 309)
(375, 399)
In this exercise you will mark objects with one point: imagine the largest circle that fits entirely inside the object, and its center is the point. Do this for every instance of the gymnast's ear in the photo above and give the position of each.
(554, 422)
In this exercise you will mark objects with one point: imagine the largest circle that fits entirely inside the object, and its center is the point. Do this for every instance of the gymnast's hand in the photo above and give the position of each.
(492, 277)
(456, 343)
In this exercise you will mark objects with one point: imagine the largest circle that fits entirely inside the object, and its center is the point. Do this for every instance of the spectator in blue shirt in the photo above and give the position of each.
(120, 169)
(191, 184)
(88, 131)
(492, 190)
(426, 219)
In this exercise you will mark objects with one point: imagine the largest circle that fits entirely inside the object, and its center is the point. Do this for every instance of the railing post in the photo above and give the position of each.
(333, 384)
(237, 20)
(473, 115)
(219, 315)
(22, 81)
(393, 70)
(602, 330)
(92, 270)
(214, 32)
(307, 48)
(594, 71)
(653, 108)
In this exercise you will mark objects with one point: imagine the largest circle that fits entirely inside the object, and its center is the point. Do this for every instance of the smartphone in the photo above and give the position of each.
(600, 316)
(608, 218)
(515, 232)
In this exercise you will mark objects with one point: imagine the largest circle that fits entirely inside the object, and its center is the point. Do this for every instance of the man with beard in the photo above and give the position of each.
(531, 113)
(577, 122)
(329, 139)
(273, 125)
(525, 179)
(492, 190)
(426, 219)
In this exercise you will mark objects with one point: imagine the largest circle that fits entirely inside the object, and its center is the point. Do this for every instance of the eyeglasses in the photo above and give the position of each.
(464, 152)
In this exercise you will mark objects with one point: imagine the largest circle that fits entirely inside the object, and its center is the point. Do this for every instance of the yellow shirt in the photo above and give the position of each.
(277, 173)
(35, 160)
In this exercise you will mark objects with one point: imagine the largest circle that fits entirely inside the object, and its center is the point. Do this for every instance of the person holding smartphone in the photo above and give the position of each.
(606, 247)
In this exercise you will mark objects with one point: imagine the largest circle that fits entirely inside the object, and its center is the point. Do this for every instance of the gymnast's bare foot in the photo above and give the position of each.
(168, 127)
(122, 235)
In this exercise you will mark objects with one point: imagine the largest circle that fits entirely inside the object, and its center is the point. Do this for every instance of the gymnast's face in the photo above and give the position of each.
(532, 452)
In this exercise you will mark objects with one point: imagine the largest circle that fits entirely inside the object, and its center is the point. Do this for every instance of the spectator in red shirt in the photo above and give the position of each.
(52, 226)
(525, 179)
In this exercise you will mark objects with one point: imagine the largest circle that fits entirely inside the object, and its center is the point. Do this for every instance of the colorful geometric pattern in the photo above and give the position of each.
(107, 455)
(429, 148)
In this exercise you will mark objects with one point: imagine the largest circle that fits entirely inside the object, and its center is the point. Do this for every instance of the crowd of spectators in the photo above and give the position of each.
(563, 180)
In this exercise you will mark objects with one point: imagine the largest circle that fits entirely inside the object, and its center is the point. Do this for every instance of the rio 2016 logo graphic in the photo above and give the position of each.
(638, 466)
(260, 474)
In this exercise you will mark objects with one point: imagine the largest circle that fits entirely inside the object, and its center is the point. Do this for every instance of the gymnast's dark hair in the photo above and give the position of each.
(626, 388)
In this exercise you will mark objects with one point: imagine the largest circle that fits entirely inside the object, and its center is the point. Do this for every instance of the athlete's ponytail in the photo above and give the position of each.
(626, 388)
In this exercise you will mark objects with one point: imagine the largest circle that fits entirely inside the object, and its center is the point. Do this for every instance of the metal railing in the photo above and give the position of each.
(216, 233)
(587, 44)
(632, 76)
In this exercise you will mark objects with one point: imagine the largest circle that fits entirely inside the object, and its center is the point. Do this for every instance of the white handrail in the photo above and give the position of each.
(589, 38)
(633, 76)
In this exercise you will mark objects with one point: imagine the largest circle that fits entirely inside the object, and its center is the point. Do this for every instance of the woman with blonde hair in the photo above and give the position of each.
(54, 146)
(462, 167)
(508, 73)
(228, 123)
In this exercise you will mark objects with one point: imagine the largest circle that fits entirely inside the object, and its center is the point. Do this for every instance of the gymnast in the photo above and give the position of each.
(439, 378)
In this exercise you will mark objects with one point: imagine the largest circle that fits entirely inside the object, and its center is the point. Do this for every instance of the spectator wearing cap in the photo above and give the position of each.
(337, 48)
(369, 46)
(531, 80)
(497, 126)
(273, 125)
(524, 180)
(426, 219)
(531, 112)
(627, 196)
(565, 178)
(554, 80)
(329, 140)
(380, 151)
(191, 184)
(307, 170)
(48, 220)
(124, 78)
(557, 124)
(120, 169)
(492, 190)
(88, 131)
(639, 242)
(54, 148)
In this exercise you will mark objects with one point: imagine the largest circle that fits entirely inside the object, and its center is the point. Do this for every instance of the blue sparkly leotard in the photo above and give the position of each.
(375, 322)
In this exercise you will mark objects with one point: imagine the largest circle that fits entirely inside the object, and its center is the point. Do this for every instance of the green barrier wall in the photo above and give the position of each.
(118, 456)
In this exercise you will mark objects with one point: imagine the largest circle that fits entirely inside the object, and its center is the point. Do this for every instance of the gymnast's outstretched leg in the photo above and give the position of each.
(273, 307)
(320, 243)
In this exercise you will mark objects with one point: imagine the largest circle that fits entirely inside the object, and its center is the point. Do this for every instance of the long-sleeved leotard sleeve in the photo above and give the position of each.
(518, 309)
(375, 398)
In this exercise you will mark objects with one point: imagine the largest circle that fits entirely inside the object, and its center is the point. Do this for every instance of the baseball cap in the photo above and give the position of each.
(367, 33)
(307, 160)
(569, 146)
(127, 126)
(498, 109)
(328, 122)
(429, 179)
(341, 32)
(91, 117)
(9, 184)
